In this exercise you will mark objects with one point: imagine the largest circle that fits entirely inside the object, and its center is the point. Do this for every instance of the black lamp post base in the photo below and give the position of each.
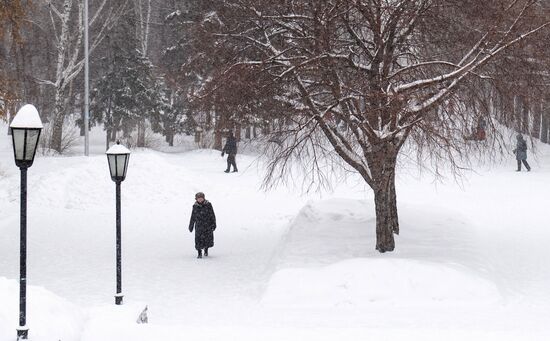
(118, 299)
(22, 333)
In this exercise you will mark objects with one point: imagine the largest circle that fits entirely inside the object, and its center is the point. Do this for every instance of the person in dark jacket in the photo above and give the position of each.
(478, 134)
(230, 149)
(203, 221)
(521, 153)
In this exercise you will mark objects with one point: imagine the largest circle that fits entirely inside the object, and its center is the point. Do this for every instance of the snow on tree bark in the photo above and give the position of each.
(69, 62)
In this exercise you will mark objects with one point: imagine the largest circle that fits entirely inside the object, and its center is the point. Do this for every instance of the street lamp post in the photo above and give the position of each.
(25, 132)
(86, 84)
(118, 157)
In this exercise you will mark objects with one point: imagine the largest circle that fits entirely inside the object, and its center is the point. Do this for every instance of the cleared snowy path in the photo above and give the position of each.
(71, 233)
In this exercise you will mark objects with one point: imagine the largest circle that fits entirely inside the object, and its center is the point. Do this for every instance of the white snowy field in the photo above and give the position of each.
(471, 261)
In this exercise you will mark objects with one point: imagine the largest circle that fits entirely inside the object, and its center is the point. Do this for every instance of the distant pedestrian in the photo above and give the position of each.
(203, 221)
(230, 149)
(521, 153)
(480, 130)
(479, 133)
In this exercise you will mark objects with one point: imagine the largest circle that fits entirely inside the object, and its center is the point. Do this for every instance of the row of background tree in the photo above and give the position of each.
(146, 68)
(136, 50)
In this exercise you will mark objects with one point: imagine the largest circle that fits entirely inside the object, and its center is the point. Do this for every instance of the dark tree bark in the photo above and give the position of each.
(384, 219)
(524, 107)
(393, 206)
(141, 133)
(382, 163)
(545, 126)
(238, 131)
(218, 132)
(537, 121)
(198, 134)
(169, 138)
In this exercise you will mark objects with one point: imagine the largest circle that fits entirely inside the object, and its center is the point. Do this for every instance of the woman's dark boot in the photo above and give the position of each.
(205, 252)
(200, 254)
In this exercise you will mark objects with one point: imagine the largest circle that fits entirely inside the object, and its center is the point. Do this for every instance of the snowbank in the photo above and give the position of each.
(327, 260)
(364, 283)
(49, 317)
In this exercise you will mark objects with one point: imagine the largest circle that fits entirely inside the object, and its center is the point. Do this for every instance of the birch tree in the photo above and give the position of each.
(143, 10)
(128, 91)
(66, 19)
(363, 78)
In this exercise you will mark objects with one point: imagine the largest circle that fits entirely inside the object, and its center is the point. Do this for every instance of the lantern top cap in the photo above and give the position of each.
(27, 117)
(118, 149)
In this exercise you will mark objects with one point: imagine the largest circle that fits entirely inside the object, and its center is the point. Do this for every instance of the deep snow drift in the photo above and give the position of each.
(471, 261)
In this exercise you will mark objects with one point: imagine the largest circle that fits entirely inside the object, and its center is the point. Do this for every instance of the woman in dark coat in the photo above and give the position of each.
(203, 221)
(521, 153)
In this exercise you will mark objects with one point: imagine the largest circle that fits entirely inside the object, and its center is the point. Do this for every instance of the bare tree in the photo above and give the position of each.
(66, 18)
(361, 79)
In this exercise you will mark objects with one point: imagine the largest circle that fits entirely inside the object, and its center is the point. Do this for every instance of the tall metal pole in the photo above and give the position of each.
(118, 296)
(86, 84)
(23, 331)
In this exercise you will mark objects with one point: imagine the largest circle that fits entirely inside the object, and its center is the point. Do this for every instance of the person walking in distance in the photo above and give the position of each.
(230, 149)
(203, 221)
(521, 153)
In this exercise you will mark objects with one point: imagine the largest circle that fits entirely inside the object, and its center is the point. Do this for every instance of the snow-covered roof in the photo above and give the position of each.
(118, 149)
(27, 117)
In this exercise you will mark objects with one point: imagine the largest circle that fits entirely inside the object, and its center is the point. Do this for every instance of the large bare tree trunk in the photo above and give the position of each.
(385, 206)
(382, 164)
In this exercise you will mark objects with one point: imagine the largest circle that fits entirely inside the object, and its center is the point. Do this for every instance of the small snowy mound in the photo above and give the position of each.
(365, 282)
(49, 317)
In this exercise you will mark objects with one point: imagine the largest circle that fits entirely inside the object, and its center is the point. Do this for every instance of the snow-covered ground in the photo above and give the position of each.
(471, 261)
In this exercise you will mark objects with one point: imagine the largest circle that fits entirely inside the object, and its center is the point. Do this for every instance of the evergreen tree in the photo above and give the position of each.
(172, 118)
(129, 91)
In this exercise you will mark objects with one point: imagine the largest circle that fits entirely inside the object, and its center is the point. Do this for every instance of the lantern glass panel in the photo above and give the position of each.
(32, 142)
(126, 164)
(121, 164)
(19, 143)
(112, 164)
